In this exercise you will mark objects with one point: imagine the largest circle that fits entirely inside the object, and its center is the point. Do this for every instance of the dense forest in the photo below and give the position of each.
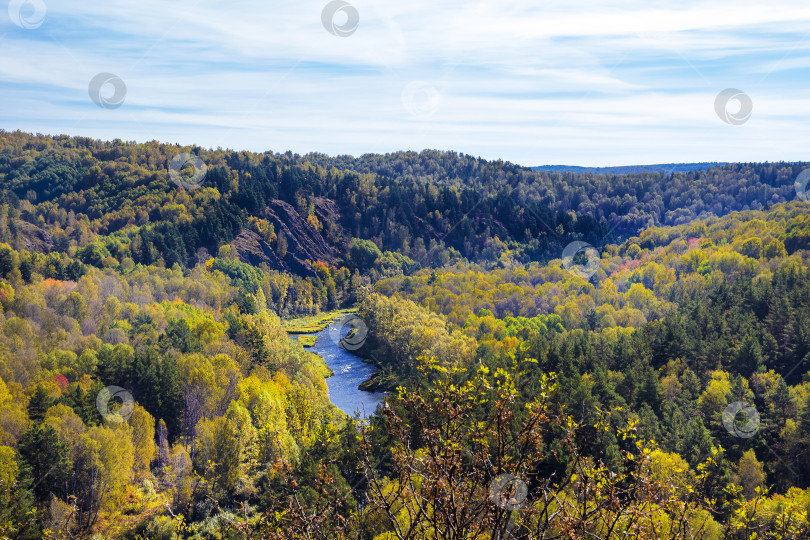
(118, 200)
(657, 388)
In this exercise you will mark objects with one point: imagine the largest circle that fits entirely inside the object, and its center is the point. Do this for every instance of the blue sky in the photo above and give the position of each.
(581, 82)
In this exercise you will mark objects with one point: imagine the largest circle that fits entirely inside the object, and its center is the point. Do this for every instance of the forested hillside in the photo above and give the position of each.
(657, 387)
(118, 200)
(700, 317)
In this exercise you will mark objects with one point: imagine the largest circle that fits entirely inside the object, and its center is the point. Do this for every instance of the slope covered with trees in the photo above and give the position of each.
(148, 388)
(429, 207)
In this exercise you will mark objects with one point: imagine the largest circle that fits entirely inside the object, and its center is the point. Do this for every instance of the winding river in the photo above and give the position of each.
(349, 371)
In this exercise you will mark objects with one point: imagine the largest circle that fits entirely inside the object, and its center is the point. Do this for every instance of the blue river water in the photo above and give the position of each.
(349, 372)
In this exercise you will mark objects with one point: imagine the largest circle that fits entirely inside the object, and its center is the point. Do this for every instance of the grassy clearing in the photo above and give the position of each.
(307, 341)
(312, 324)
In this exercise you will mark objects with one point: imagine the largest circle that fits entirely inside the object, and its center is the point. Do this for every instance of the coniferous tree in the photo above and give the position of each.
(47, 460)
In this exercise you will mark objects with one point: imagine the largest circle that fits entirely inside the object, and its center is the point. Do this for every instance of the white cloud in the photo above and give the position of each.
(590, 83)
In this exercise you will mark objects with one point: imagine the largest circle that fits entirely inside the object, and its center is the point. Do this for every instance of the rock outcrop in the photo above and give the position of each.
(35, 239)
(304, 243)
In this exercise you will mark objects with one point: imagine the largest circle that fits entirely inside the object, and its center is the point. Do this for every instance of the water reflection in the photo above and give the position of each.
(349, 372)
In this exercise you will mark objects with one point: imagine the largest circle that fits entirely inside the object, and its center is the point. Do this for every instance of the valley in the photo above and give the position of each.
(545, 353)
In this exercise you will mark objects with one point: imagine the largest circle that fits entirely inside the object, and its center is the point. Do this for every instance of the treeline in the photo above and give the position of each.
(433, 207)
(469, 201)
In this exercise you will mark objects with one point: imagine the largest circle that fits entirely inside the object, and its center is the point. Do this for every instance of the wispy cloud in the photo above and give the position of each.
(589, 83)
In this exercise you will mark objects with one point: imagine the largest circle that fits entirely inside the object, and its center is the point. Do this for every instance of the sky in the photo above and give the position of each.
(591, 83)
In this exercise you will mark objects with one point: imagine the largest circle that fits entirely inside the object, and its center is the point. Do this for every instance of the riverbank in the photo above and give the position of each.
(312, 324)
(307, 330)
(348, 388)
(381, 381)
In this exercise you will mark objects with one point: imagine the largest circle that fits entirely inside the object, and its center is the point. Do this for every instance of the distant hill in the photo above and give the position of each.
(665, 168)
(119, 203)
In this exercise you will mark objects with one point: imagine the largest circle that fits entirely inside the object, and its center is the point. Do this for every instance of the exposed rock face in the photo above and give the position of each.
(303, 242)
(252, 249)
(34, 239)
(326, 210)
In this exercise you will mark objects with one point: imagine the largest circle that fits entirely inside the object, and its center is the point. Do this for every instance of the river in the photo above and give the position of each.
(349, 371)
